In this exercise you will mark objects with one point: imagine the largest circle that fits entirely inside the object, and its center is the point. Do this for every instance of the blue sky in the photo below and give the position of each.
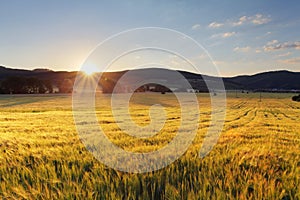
(243, 37)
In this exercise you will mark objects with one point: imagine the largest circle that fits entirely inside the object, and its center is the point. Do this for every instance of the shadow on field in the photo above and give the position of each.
(16, 100)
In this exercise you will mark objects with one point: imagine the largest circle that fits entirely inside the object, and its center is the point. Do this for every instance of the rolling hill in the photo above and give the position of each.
(267, 81)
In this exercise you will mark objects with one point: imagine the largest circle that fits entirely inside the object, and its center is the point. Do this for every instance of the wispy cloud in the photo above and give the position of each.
(264, 35)
(284, 54)
(257, 50)
(268, 33)
(242, 49)
(270, 43)
(224, 35)
(228, 34)
(241, 21)
(196, 27)
(257, 19)
(215, 25)
(291, 61)
(275, 45)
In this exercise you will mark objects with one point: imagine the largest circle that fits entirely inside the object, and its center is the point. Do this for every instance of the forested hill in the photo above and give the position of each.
(35, 81)
(44, 80)
(281, 80)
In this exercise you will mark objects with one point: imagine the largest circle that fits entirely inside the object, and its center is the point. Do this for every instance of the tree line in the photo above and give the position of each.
(33, 85)
(25, 85)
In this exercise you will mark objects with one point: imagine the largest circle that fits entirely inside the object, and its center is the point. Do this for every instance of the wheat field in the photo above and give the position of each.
(257, 155)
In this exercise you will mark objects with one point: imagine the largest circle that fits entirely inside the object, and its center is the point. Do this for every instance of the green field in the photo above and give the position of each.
(257, 155)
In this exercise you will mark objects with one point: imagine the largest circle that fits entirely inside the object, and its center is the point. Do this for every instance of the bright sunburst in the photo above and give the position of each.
(89, 69)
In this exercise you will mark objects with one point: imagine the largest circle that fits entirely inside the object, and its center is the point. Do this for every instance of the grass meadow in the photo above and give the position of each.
(257, 155)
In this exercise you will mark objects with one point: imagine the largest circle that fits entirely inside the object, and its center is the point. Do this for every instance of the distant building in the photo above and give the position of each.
(55, 89)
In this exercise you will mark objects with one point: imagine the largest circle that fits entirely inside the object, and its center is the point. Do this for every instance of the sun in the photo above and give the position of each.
(89, 69)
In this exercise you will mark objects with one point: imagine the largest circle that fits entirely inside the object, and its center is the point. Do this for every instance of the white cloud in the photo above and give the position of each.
(242, 49)
(272, 42)
(275, 45)
(284, 54)
(241, 21)
(224, 35)
(228, 34)
(215, 25)
(259, 19)
(196, 27)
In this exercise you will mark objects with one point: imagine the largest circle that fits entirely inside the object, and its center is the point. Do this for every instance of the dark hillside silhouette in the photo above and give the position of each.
(47, 81)
(281, 80)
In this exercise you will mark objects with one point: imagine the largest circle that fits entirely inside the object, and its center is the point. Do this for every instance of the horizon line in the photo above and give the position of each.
(183, 70)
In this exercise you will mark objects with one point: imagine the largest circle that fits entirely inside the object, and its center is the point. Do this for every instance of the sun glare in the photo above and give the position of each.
(89, 69)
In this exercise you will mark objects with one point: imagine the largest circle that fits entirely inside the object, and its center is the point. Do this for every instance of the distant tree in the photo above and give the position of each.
(34, 86)
(161, 88)
(14, 85)
(23, 85)
(296, 98)
(66, 86)
(49, 86)
(1, 89)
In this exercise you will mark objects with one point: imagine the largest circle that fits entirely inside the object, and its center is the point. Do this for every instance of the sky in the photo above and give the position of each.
(241, 36)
